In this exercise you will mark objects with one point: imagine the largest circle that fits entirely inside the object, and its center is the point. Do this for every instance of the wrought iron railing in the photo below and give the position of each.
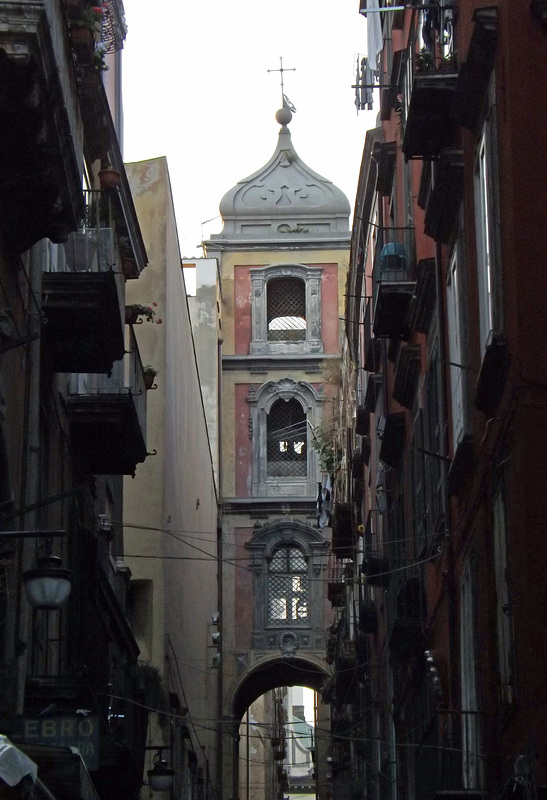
(91, 247)
(114, 26)
(126, 376)
(394, 257)
(430, 48)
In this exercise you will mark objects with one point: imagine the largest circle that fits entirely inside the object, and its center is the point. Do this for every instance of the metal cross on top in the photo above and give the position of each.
(281, 70)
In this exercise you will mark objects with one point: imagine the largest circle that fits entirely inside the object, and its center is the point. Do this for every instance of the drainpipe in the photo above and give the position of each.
(220, 678)
(30, 472)
(444, 358)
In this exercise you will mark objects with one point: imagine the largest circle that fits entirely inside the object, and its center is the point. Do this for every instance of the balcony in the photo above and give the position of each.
(372, 346)
(40, 126)
(107, 416)
(461, 466)
(409, 624)
(393, 440)
(377, 570)
(429, 84)
(342, 530)
(368, 616)
(407, 375)
(474, 78)
(425, 297)
(429, 123)
(493, 375)
(446, 196)
(373, 390)
(386, 168)
(357, 465)
(362, 422)
(83, 298)
(336, 593)
(393, 282)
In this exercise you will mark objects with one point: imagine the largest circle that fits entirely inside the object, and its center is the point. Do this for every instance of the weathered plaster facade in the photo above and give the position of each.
(171, 505)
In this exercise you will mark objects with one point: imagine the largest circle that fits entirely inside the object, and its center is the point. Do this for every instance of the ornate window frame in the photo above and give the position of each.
(260, 276)
(260, 402)
(287, 636)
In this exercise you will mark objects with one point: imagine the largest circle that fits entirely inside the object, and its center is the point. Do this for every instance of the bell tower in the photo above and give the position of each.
(283, 256)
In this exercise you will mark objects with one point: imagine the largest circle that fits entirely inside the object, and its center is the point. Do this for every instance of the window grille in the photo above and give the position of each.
(287, 440)
(286, 310)
(288, 588)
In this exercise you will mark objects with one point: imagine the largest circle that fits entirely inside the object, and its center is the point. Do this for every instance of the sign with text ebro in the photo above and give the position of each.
(65, 731)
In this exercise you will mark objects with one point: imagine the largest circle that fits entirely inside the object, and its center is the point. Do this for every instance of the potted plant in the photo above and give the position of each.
(100, 66)
(327, 690)
(129, 267)
(149, 375)
(135, 310)
(90, 17)
(108, 176)
(424, 61)
(85, 28)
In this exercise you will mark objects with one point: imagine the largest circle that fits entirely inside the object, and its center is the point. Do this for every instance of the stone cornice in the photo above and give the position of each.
(310, 362)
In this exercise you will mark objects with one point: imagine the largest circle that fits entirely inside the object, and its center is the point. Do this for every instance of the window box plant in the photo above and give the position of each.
(149, 375)
(109, 177)
(135, 310)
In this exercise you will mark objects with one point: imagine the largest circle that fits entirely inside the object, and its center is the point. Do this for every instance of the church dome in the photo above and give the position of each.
(285, 198)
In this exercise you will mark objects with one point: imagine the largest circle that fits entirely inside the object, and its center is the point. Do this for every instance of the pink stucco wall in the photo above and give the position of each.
(242, 441)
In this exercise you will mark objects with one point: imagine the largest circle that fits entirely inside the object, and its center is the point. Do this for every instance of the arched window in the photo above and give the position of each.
(288, 586)
(288, 558)
(283, 415)
(286, 309)
(287, 437)
(286, 305)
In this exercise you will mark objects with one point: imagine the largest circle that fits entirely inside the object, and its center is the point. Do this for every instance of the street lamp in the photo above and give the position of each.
(161, 777)
(48, 584)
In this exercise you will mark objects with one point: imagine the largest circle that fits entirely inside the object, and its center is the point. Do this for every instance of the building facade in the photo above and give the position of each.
(436, 514)
(171, 506)
(72, 402)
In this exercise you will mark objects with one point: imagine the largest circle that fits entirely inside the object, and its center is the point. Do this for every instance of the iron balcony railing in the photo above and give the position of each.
(430, 49)
(126, 377)
(91, 247)
(394, 258)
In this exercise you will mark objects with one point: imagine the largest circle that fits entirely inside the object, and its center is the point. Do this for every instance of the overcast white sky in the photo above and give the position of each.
(196, 89)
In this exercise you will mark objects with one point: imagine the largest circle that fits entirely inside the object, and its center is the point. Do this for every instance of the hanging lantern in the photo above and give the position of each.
(48, 585)
(161, 776)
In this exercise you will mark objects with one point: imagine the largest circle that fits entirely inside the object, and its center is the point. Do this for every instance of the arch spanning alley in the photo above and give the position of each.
(273, 674)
